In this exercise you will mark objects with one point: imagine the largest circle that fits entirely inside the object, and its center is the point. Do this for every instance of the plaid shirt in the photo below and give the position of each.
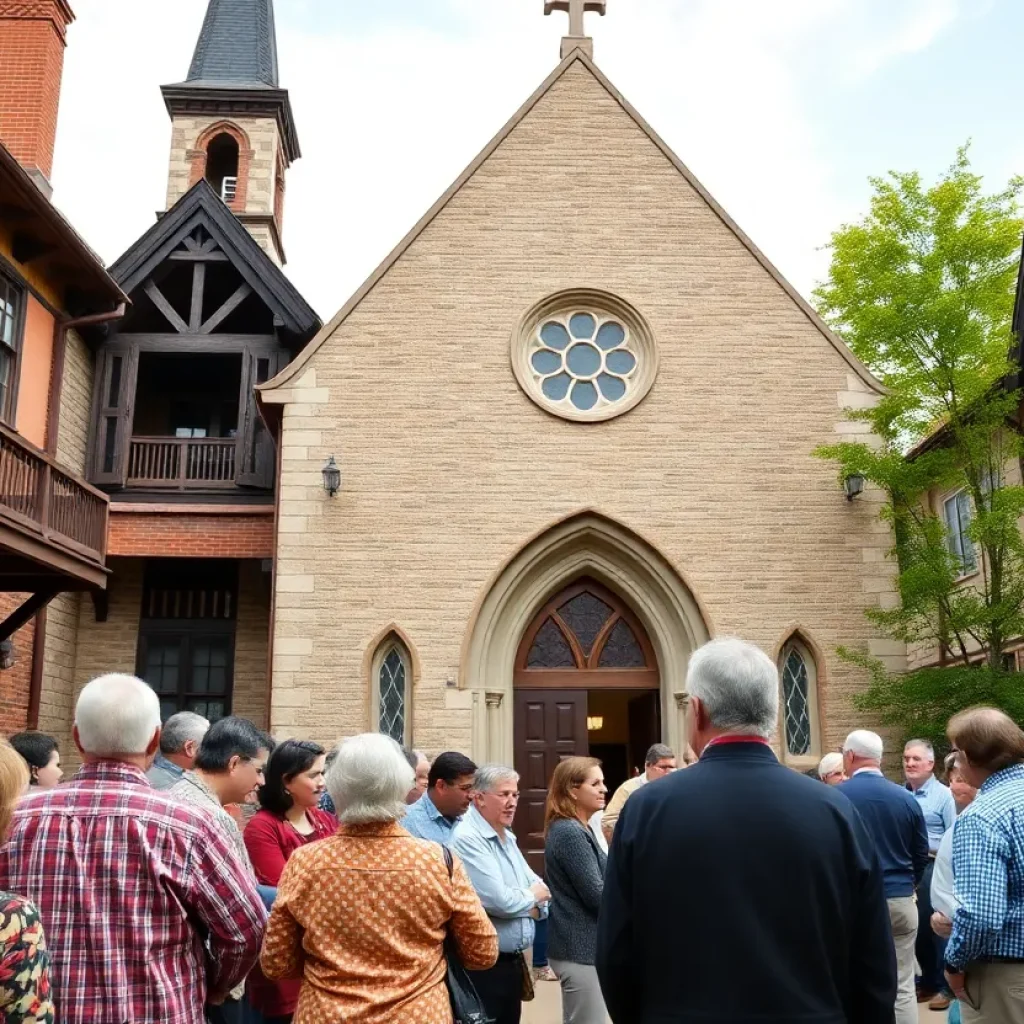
(144, 900)
(988, 866)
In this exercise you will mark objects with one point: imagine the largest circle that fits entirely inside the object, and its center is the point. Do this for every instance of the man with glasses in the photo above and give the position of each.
(830, 769)
(513, 896)
(660, 761)
(449, 792)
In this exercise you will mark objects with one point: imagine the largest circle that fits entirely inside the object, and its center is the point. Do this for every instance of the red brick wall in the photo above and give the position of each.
(15, 682)
(173, 534)
(31, 65)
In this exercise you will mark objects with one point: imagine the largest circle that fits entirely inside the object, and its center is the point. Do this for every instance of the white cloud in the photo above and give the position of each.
(389, 117)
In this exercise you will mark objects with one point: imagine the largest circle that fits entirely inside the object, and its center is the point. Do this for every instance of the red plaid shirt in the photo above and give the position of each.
(145, 902)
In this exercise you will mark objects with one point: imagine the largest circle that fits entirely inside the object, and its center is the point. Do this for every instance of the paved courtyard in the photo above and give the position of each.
(547, 1008)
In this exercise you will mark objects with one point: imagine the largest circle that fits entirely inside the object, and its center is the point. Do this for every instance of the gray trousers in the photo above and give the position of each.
(582, 1002)
(997, 990)
(903, 918)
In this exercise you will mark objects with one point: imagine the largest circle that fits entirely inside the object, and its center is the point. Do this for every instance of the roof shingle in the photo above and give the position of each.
(237, 45)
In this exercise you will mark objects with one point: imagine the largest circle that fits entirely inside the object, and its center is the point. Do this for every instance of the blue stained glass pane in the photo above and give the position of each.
(545, 361)
(582, 326)
(584, 395)
(610, 335)
(621, 361)
(583, 360)
(554, 335)
(556, 388)
(613, 388)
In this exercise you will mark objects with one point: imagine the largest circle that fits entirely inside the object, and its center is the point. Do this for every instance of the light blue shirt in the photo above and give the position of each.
(425, 821)
(939, 809)
(501, 877)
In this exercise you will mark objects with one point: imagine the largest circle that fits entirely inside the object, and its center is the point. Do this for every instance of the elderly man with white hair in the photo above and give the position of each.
(150, 911)
(752, 869)
(362, 916)
(513, 895)
(179, 746)
(897, 827)
(830, 769)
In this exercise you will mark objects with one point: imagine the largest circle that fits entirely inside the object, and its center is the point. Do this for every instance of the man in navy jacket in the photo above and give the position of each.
(738, 891)
(896, 824)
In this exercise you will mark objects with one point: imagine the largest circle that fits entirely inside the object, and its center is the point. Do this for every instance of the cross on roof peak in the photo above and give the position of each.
(576, 9)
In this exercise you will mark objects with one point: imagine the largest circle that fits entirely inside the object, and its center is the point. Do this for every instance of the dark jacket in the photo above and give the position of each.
(574, 870)
(895, 822)
(740, 892)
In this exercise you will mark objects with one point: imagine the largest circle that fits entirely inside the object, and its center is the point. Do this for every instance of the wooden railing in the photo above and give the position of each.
(41, 497)
(181, 463)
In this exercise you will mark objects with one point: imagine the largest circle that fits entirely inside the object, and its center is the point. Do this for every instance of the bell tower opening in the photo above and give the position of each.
(222, 166)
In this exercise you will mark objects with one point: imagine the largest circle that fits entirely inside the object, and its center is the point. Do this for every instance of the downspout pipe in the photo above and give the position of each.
(60, 344)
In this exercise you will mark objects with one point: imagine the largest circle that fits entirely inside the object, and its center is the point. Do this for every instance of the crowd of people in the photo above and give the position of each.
(368, 883)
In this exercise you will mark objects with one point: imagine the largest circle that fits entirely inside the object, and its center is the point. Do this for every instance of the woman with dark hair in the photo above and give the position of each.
(289, 818)
(574, 868)
(42, 756)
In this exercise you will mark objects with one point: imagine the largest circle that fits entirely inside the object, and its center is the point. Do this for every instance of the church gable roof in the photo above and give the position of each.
(571, 60)
(237, 45)
(202, 207)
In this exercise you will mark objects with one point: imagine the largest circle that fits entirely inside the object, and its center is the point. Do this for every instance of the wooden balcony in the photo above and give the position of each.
(182, 464)
(53, 525)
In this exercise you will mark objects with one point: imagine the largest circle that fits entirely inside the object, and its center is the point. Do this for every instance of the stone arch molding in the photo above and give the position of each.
(585, 544)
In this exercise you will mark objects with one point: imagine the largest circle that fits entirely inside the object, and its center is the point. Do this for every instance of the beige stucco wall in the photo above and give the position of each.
(252, 634)
(449, 469)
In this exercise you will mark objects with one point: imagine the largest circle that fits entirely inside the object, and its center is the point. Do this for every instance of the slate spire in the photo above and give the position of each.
(237, 46)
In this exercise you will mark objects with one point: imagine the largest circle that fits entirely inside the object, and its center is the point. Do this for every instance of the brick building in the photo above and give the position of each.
(162, 401)
(574, 414)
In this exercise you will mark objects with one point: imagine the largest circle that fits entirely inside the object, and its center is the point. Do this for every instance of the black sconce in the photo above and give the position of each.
(854, 485)
(332, 477)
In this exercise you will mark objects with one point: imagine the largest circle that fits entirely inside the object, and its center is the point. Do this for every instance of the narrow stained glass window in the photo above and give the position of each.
(391, 680)
(796, 699)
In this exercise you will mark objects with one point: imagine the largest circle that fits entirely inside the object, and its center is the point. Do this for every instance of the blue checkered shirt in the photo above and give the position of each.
(988, 866)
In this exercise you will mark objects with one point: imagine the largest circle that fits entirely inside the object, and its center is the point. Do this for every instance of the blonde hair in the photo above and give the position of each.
(13, 780)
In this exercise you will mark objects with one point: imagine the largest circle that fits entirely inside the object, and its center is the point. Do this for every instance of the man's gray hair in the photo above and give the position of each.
(738, 686)
(832, 762)
(925, 745)
(179, 729)
(658, 752)
(116, 714)
(369, 780)
(866, 744)
(489, 776)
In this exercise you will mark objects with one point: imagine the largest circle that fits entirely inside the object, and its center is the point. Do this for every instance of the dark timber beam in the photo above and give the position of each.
(165, 307)
(34, 603)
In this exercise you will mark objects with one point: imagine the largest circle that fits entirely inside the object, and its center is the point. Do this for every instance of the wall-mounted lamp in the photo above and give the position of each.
(595, 723)
(7, 658)
(332, 477)
(854, 486)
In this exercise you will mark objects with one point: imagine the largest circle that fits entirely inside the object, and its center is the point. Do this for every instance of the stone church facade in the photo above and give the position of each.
(574, 413)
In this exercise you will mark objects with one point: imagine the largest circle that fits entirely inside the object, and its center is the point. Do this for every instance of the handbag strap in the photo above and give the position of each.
(448, 862)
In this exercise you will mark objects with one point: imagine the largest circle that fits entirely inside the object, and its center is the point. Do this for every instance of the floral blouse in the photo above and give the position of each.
(25, 996)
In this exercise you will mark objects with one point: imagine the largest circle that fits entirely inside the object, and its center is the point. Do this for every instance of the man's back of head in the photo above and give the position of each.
(117, 717)
(862, 749)
(182, 730)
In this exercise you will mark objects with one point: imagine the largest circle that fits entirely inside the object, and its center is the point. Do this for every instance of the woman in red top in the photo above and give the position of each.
(289, 818)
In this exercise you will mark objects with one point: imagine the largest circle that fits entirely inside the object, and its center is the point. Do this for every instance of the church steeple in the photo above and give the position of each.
(232, 123)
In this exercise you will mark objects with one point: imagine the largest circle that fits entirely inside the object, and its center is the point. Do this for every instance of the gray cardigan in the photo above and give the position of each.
(574, 867)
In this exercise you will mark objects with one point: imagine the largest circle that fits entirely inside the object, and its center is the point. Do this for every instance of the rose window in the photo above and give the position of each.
(585, 364)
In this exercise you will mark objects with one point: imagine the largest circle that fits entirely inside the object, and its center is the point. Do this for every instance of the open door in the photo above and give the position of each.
(255, 453)
(114, 402)
(644, 728)
(549, 725)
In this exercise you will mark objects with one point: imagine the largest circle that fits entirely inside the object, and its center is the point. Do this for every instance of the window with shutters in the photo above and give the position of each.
(12, 303)
(392, 690)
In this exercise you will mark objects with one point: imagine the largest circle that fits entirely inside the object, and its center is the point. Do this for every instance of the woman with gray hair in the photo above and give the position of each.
(361, 917)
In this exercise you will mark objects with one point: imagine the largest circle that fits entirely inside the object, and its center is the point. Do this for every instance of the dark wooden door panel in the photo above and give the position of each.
(549, 725)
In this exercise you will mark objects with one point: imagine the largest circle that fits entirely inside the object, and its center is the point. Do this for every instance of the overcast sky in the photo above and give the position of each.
(781, 107)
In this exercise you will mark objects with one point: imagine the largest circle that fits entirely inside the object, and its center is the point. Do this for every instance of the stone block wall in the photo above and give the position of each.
(75, 404)
(252, 637)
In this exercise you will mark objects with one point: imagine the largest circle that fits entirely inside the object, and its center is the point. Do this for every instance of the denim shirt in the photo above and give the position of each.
(501, 877)
(939, 808)
(425, 821)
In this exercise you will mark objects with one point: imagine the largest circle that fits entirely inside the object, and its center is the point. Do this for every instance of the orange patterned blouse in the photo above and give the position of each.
(361, 917)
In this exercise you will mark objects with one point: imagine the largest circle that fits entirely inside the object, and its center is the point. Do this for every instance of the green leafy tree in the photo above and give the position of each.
(922, 290)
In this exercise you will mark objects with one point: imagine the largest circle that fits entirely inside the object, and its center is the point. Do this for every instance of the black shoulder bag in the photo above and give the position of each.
(467, 1007)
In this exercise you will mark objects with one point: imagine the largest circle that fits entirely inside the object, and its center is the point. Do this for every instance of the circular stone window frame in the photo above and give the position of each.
(604, 306)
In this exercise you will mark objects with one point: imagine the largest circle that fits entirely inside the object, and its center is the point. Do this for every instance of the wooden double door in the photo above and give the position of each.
(585, 650)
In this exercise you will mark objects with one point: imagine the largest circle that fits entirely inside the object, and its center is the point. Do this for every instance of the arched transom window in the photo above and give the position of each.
(392, 685)
(586, 628)
(799, 700)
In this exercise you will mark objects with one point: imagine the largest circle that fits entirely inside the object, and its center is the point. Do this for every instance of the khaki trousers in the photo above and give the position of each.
(997, 990)
(903, 918)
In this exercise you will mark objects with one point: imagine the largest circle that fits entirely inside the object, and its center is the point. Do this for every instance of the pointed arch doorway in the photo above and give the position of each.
(586, 681)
